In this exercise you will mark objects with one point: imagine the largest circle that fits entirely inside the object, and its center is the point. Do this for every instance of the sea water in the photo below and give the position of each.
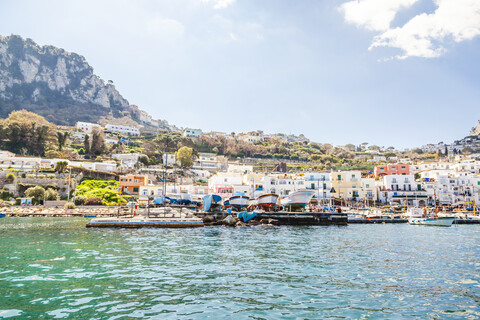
(55, 268)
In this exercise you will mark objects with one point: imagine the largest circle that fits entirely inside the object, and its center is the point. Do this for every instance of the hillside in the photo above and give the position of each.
(59, 85)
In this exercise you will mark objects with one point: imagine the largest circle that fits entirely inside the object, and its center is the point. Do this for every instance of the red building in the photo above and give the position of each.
(386, 170)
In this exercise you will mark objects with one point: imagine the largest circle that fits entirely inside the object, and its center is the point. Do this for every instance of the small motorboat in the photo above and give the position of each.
(432, 221)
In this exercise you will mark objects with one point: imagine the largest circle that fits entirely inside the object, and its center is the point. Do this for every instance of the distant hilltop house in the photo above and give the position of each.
(87, 127)
(123, 129)
(193, 133)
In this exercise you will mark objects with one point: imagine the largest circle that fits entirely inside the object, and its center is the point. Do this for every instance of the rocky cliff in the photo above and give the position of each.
(475, 131)
(54, 83)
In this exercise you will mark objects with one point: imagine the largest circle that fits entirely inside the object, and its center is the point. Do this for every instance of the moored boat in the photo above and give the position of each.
(267, 201)
(239, 201)
(432, 221)
(297, 200)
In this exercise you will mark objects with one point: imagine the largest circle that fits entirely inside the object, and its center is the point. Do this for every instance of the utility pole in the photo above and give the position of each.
(68, 187)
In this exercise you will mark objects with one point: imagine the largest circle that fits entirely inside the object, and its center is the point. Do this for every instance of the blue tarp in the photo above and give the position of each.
(159, 200)
(229, 210)
(210, 199)
(239, 194)
(246, 216)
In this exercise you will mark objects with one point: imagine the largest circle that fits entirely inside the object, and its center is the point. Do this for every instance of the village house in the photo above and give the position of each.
(130, 184)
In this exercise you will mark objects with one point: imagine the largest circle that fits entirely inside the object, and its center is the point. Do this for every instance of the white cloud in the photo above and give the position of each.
(427, 35)
(373, 14)
(220, 4)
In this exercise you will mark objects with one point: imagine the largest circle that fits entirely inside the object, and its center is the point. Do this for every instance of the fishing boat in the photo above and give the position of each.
(267, 201)
(239, 201)
(418, 216)
(432, 221)
(3, 215)
(297, 200)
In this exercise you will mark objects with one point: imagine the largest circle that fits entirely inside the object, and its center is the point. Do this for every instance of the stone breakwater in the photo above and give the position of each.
(61, 212)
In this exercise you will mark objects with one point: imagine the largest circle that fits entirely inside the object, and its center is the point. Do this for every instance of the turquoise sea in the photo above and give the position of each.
(55, 268)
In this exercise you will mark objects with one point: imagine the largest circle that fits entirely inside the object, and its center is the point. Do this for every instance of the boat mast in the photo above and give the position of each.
(165, 173)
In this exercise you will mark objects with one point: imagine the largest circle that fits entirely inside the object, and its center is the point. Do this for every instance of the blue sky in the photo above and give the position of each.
(393, 73)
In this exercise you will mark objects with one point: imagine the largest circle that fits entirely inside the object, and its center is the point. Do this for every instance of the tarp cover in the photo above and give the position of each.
(210, 199)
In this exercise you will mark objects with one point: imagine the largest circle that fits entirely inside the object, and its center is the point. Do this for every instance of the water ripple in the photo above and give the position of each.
(56, 268)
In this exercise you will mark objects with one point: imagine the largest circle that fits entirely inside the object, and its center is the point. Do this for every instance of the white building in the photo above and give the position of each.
(131, 131)
(169, 159)
(108, 166)
(194, 133)
(88, 127)
(239, 168)
(402, 188)
(127, 160)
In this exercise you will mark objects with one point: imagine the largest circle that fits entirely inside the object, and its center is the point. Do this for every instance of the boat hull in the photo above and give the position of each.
(238, 202)
(439, 222)
(267, 201)
(298, 197)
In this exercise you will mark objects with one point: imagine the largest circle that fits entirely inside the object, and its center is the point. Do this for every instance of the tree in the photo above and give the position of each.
(62, 139)
(51, 194)
(60, 166)
(52, 154)
(350, 147)
(10, 177)
(98, 143)
(26, 131)
(143, 158)
(86, 144)
(36, 193)
(185, 156)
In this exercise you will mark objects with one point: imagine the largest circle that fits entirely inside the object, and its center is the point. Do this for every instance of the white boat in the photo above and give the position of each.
(239, 202)
(267, 199)
(433, 221)
(298, 199)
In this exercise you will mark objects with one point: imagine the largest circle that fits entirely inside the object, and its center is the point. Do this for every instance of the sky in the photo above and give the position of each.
(399, 73)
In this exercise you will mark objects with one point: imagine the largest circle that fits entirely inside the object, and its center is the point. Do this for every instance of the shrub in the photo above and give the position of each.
(5, 195)
(24, 175)
(51, 176)
(36, 192)
(41, 176)
(30, 176)
(51, 194)
(69, 205)
(93, 201)
(10, 177)
(80, 200)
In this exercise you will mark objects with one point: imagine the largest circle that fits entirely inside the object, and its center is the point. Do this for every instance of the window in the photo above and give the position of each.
(382, 169)
(135, 189)
(354, 186)
(136, 180)
(403, 167)
(339, 177)
(394, 168)
(368, 185)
